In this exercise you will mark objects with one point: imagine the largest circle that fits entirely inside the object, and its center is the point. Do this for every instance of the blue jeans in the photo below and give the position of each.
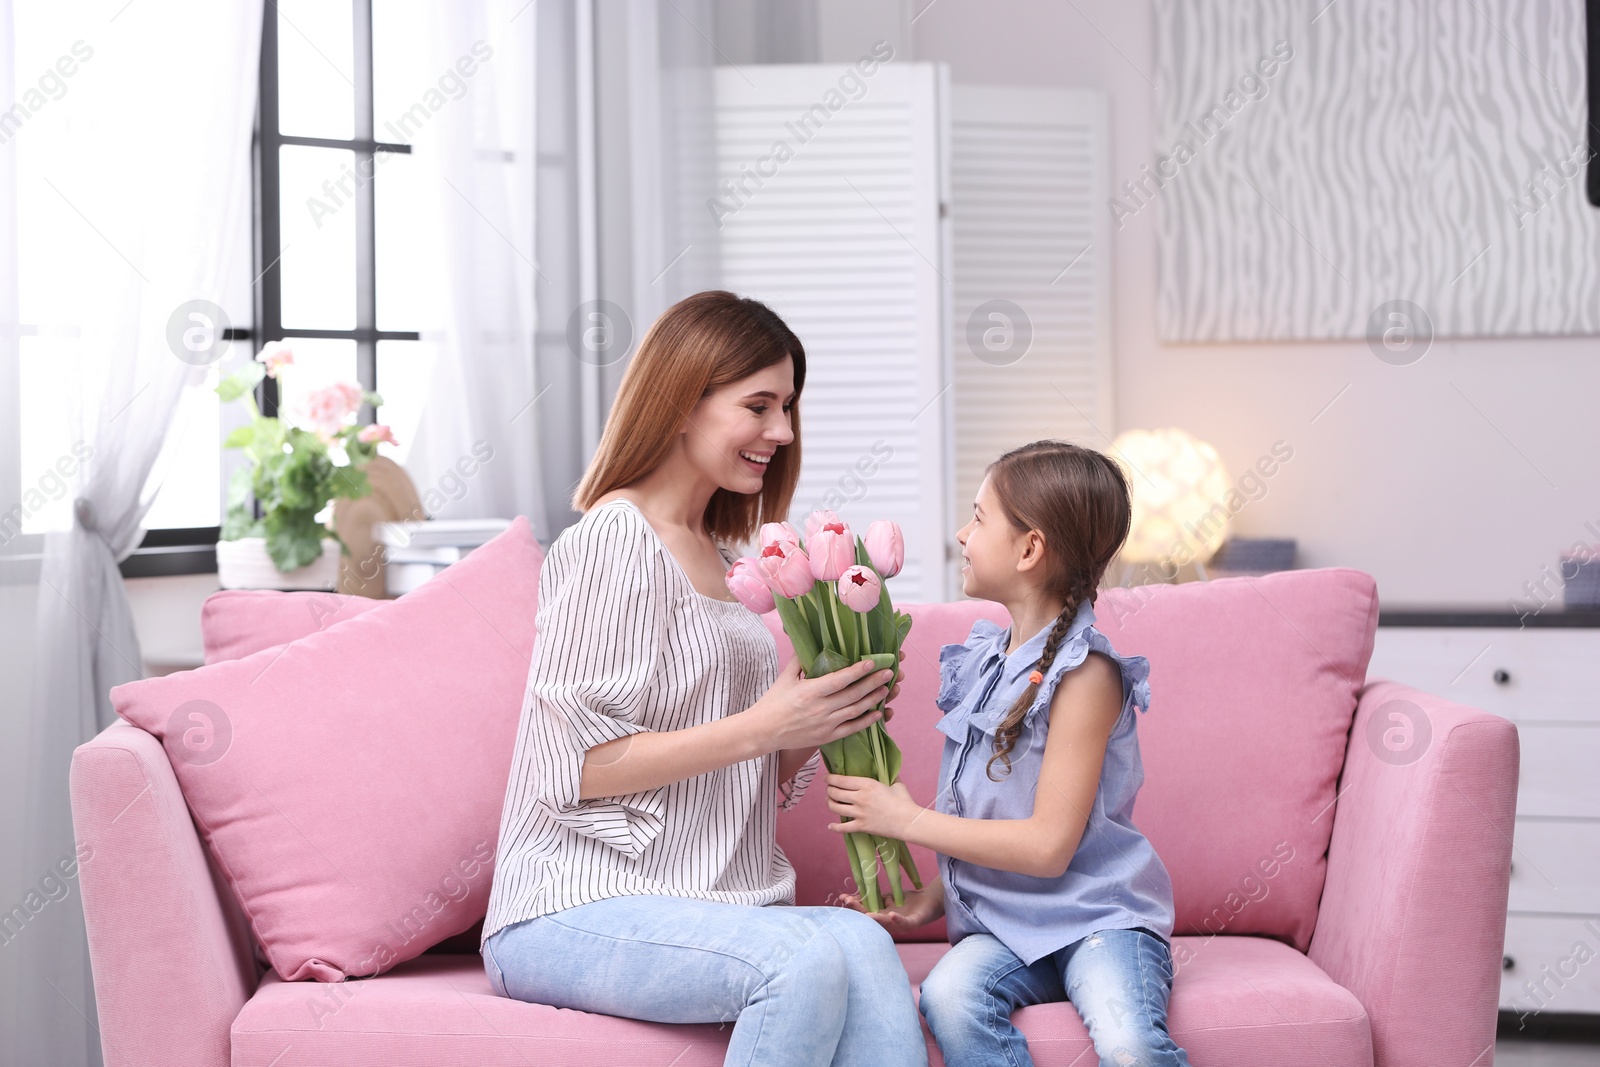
(805, 986)
(1119, 980)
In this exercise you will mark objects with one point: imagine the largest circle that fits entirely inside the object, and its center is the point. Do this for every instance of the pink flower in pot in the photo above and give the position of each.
(327, 408)
(274, 356)
(378, 432)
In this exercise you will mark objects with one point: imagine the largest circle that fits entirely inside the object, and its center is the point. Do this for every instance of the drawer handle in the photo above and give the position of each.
(1502, 677)
(1507, 963)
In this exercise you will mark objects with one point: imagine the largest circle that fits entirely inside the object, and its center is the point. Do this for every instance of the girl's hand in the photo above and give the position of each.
(922, 907)
(870, 806)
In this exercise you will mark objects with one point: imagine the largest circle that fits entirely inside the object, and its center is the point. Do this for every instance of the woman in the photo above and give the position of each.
(638, 868)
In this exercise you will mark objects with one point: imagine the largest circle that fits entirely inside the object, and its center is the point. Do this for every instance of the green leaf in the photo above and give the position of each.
(892, 755)
(360, 452)
(349, 482)
(299, 478)
(266, 438)
(886, 661)
(240, 523)
(239, 487)
(240, 437)
(802, 635)
(826, 662)
(909, 865)
(372, 398)
(240, 382)
(294, 538)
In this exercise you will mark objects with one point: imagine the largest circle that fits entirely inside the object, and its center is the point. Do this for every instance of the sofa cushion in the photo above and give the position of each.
(1253, 684)
(1238, 1000)
(236, 622)
(349, 783)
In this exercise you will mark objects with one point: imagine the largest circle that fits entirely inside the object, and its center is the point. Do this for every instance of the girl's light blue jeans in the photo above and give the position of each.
(806, 986)
(1119, 980)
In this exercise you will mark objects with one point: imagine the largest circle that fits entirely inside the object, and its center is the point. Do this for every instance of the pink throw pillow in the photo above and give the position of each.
(1253, 684)
(237, 622)
(350, 783)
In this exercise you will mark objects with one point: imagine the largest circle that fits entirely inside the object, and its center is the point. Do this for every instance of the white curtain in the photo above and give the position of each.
(148, 147)
(477, 153)
(615, 147)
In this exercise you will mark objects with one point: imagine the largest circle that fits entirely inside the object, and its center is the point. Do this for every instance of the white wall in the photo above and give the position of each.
(166, 615)
(1453, 480)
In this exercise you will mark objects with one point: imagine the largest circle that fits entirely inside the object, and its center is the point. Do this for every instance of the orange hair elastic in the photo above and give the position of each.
(1036, 677)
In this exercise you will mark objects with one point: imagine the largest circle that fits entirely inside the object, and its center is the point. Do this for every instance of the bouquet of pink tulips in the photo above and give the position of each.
(829, 591)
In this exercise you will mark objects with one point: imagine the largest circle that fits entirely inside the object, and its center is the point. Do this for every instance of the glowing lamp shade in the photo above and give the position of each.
(1179, 487)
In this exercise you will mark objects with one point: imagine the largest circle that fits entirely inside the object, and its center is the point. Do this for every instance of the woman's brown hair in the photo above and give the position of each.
(697, 346)
(1079, 500)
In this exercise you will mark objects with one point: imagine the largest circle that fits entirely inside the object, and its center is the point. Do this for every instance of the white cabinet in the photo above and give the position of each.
(1546, 679)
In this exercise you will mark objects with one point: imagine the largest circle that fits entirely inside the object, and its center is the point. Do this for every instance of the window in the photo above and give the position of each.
(334, 196)
(337, 196)
(39, 359)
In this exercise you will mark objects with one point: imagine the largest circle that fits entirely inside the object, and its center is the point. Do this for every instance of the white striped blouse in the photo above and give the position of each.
(626, 643)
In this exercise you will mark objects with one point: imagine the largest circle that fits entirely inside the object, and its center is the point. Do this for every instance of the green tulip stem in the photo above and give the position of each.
(868, 858)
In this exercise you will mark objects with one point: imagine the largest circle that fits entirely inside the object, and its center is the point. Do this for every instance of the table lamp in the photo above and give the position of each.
(1179, 487)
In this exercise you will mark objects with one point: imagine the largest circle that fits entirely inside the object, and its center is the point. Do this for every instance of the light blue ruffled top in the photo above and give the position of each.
(1115, 881)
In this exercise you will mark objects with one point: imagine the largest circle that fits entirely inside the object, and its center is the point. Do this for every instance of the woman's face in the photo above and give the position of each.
(734, 432)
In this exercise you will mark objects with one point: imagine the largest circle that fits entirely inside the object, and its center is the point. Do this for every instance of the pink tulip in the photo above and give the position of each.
(744, 582)
(859, 588)
(778, 531)
(379, 432)
(784, 568)
(832, 549)
(886, 547)
(816, 520)
(275, 355)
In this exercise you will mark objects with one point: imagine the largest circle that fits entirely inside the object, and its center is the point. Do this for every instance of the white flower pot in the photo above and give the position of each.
(244, 564)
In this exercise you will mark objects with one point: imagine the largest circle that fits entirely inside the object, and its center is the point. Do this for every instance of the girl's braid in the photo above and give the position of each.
(1010, 729)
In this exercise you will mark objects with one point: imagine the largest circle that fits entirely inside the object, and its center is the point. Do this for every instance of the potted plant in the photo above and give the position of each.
(298, 467)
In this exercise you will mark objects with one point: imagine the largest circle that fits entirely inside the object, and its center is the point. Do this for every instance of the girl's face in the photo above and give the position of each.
(993, 552)
(732, 434)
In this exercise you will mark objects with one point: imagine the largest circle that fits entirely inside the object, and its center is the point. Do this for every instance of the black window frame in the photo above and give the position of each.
(192, 550)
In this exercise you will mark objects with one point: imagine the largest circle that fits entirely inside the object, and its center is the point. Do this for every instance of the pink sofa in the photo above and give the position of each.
(1339, 847)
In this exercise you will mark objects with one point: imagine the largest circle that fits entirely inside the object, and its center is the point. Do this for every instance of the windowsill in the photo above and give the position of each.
(149, 560)
(169, 560)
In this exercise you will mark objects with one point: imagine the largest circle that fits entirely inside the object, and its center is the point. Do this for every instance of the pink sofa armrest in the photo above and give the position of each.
(1413, 913)
(172, 958)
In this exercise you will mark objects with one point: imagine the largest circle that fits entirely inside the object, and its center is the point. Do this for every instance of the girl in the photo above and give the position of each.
(639, 873)
(1050, 891)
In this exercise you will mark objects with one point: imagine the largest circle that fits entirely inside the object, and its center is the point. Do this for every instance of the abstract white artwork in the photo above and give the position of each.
(1316, 165)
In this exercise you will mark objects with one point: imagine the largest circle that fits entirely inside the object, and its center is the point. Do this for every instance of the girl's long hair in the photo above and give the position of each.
(697, 346)
(1079, 500)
